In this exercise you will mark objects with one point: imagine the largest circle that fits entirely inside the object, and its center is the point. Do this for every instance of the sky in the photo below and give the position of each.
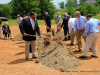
(56, 2)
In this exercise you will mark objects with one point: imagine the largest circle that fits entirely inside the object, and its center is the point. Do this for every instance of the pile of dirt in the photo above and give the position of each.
(18, 37)
(55, 54)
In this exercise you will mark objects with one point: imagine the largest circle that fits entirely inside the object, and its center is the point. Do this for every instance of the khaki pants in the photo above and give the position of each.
(78, 35)
(72, 36)
(91, 42)
(33, 46)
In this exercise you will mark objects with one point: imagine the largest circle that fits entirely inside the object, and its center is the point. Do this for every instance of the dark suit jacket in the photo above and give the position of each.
(26, 27)
(48, 21)
(4, 32)
(65, 23)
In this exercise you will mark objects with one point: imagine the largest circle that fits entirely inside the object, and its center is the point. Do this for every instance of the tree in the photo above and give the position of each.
(23, 7)
(62, 5)
(71, 3)
(5, 10)
(87, 9)
(82, 1)
(46, 6)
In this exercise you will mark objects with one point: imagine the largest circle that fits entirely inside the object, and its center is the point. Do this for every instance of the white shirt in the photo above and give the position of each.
(71, 24)
(19, 20)
(32, 21)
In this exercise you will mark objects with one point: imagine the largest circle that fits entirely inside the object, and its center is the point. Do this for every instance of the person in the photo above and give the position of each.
(91, 31)
(48, 21)
(30, 26)
(71, 28)
(65, 27)
(0, 28)
(58, 21)
(6, 31)
(79, 24)
(30, 49)
(19, 19)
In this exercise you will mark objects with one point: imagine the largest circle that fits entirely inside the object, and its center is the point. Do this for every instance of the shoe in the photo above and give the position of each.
(78, 50)
(64, 40)
(27, 59)
(82, 56)
(34, 57)
(94, 56)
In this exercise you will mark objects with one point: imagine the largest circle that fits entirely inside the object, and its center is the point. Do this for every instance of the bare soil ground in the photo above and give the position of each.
(12, 59)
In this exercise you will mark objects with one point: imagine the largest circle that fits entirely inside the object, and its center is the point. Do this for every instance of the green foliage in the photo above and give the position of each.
(23, 7)
(82, 1)
(71, 3)
(62, 5)
(71, 11)
(87, 9)
(5, 10)
(46, 6)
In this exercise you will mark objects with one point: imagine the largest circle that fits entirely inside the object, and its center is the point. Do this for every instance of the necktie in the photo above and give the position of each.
(57, 16)
(33, 25)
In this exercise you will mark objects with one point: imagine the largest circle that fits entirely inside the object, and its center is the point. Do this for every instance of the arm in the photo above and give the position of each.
(98, 22)
(21, 26)
(75, 26)
(62, 22)
(86, 29)
(38, 29)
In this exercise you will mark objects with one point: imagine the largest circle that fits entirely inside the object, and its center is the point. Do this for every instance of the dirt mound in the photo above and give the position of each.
(18, 37)
(55, 54)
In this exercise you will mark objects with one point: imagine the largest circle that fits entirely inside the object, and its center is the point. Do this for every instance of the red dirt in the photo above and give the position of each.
(12, 59)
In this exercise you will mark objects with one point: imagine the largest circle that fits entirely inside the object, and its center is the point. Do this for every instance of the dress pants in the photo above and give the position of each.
(66, 31)
(72, 36)
(78, 35)
(33, 46)
(91, 42)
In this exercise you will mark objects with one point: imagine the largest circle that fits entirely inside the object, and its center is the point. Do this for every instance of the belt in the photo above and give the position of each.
(92, 32)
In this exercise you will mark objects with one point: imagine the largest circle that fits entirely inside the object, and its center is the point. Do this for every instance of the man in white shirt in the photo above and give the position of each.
(19, 19)
(71, 28)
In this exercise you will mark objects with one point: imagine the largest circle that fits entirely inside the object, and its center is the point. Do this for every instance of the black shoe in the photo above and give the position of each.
(78, 50)
(71, 44)
(34, 57)
(94, 56)
(82, 56)
(64, 40)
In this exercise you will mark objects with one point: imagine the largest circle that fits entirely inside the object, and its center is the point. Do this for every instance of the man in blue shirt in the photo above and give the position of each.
(91, 31)
(79, 24)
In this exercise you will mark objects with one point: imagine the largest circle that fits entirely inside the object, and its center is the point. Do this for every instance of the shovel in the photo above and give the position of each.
(73, 33)
(8, 33)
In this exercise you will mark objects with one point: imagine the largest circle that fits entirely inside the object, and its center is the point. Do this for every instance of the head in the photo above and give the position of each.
(88, 16)
(33, 15)
(77, 14)
(18, 16)
(68, 17)
(65, 14)
(6, 23)
(46, 13)
(58, 13)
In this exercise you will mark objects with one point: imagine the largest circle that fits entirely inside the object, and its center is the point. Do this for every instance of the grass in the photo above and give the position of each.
(13, 22)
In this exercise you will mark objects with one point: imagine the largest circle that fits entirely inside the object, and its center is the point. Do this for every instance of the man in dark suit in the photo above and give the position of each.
(30, 26)
(65, 27)
(48, 21)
